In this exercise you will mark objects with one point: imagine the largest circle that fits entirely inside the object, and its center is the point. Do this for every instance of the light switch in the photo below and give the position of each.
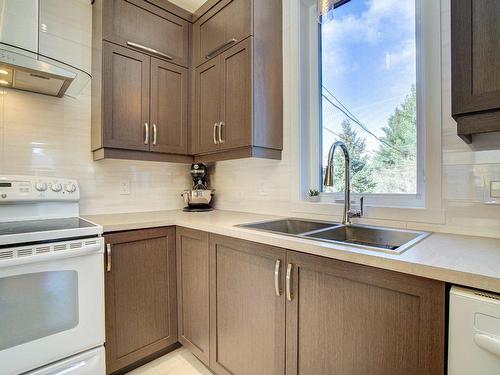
(495, 189)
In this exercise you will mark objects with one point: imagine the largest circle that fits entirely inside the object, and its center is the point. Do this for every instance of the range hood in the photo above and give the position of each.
(45, 45)
(29, 74)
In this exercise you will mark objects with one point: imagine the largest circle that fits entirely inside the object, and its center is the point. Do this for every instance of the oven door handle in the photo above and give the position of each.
(97, 247)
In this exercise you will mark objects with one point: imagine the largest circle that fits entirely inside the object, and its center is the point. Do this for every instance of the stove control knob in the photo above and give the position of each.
(41, 186)
(70, 188)
(57, 187)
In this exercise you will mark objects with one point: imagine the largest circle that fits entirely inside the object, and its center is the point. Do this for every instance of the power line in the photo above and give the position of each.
(340, 137)
(363, 127)
(331, 131)
(352, 117)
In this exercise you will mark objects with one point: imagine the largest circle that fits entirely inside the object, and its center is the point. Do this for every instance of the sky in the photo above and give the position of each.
(369, 62)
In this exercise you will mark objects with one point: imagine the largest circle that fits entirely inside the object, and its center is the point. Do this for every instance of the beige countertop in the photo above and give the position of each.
(463, 260)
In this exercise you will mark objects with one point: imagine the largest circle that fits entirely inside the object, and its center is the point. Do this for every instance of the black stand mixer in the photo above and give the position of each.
(198, 199)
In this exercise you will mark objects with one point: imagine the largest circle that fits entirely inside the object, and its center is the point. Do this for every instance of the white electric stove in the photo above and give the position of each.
(51, 280)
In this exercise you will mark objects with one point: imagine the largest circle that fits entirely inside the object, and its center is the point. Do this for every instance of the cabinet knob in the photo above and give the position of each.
(277, 278)
(154, 135)
(219, 48)
(108, 257)
(289, 294)
(215, 133)
(221, 140)
(146, 133)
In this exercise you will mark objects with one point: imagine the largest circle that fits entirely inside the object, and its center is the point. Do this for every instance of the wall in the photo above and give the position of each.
(46, 136)
(270, 186)
(49, 136)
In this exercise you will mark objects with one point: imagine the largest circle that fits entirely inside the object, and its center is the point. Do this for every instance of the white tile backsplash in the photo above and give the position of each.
(465, 170)
(49, 136)
(41, 135)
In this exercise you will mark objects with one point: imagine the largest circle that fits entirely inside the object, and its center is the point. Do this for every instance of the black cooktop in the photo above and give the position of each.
(31, 226)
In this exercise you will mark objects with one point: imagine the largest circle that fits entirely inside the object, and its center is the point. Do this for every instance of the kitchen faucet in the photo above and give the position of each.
(348, 212)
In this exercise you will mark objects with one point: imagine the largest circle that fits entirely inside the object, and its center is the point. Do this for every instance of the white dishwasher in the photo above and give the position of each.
(474, 332)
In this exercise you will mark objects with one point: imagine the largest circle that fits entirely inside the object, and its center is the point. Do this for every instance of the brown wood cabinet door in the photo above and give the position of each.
(476, 55)
(237, 101)
(247, 318)
(142, 23)
(169, 107)
(141, 297)
(348, 319)
(475, 50)
(193, 291)
(226, 24)
(125, 98)
(207, 107)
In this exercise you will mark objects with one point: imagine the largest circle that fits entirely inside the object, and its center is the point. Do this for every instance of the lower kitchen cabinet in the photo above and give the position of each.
(345, 318)
(193, 291)
(245, 308)
(247, 312)
(141, 295)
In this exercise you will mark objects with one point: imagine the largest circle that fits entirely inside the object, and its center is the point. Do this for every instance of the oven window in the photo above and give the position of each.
(36, 305)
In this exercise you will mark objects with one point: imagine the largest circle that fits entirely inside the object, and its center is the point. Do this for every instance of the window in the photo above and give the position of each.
(369, 90)
(427, 78)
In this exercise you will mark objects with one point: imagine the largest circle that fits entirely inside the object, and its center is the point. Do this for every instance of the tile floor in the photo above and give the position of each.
(178, 362)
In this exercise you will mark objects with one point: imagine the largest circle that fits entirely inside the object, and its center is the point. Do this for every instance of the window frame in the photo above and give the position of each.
(426, 204)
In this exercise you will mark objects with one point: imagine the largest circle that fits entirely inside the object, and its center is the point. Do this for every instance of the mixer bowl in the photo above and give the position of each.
(198, 197)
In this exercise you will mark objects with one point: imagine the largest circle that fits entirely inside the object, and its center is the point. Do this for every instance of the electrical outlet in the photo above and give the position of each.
(124, 187)
(495, 189)
(492, 191)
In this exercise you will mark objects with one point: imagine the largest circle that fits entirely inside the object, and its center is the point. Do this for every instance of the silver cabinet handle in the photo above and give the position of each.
(146, 133)
(222, 46)
(149, 50)
(277, 277)
(154, 134)
(215, 133)
(289, 294)
(108, 257)
(221, 140)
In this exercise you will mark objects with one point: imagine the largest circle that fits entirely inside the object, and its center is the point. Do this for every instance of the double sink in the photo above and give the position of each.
(393, 241)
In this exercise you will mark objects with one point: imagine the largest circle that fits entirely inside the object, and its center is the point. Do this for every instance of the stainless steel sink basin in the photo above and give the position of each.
(289, 226)
(394, 241)
(385, 239)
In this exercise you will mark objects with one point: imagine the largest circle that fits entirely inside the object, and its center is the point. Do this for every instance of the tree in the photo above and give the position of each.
(395, 161)
(361, 172)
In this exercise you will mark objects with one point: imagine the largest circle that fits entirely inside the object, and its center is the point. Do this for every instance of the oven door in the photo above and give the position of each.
(51, 302)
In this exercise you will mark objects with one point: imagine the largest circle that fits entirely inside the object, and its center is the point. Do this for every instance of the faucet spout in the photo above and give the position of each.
(329, 173)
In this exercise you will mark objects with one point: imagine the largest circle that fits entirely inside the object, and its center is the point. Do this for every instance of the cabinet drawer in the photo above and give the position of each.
(226, 24)
(139, 25)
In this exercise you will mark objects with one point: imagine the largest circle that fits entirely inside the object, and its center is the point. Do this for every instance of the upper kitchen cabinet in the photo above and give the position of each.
(475, 46)
(168, 107)
(228, 22)
(125, 116)
(139, 92)
(238, 81)
(140, 25)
